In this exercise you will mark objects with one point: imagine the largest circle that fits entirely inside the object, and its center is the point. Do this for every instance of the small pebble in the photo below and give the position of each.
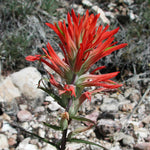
(24, 115)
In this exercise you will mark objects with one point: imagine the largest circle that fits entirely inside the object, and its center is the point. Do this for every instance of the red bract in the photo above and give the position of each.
(68, 88)
(83, 43)
(52, 60)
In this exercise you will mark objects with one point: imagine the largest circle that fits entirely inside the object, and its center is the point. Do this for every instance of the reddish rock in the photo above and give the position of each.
(12, 141)
(24, 115)
(146, 120)
(93, 116)
(142, 146)
(126, 107)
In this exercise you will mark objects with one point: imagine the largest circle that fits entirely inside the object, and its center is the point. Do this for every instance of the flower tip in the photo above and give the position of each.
(47, 24)
(31, 58)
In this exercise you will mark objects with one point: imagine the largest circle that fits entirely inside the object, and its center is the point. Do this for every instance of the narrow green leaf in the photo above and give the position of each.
(52, 126)
(85, 142)
(79, 130)
(57, 98)
(35, 135)
(79, 118)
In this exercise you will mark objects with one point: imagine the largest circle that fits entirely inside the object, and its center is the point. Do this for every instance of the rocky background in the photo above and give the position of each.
(123, 118)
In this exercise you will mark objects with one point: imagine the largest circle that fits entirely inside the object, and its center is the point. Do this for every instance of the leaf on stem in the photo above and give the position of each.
(86, 142)
(79, 130)
(35, 135)
(57, 98)
(52, 126)
(79, 118)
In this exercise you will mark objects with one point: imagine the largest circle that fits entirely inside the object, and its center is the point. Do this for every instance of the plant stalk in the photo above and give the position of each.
(63, 141)
(64, 134)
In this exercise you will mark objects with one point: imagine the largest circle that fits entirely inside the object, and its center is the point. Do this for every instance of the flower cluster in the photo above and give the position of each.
(83, 44)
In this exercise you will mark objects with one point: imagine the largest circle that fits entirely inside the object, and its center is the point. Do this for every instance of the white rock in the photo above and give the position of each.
(23, 107)
(49, 99)
(109, 100)
(27, 81)
(54, 106)
(24, 145)
(27, 147)
(131, 15)
(111, 5)
(8, 91)
(41, 133)
(80, 10)
(87, 3)
(49, 147)
(74, 146)
(25, 125)
(102, 14)
(99, 96)
(35, 124)
(24, 115)
(7, 128)
(142, 132)
(39, 109)
(116, 146)
(110, 14)
(42, 118)
(3, 142)
(129, 2)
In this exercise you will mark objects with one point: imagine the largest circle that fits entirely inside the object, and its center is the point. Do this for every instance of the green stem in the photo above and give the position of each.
(64, 134)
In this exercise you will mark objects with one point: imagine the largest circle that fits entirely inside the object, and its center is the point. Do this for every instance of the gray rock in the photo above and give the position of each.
(119, 97)
(3, 141)
(27, 81)
(132, 94)
(118, 136)
(109, 105)
(128, 140)
(108, 126)
(34, 23)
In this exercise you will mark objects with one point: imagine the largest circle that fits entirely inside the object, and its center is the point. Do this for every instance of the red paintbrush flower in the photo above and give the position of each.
(83, 44)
